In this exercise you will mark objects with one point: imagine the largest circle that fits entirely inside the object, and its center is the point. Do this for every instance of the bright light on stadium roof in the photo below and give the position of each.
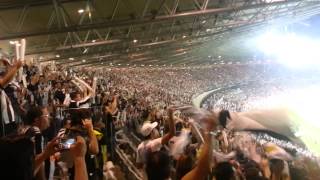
(80, 11)
(290, 49)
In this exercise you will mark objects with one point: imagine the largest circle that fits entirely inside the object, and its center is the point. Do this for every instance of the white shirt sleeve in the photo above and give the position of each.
(155, 145)
(140, 152)
(67, 100)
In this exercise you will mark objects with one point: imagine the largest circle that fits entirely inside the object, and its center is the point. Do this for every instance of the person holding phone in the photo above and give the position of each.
(81, 125)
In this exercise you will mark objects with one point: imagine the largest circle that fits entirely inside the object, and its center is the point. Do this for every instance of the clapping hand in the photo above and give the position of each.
(87, 123)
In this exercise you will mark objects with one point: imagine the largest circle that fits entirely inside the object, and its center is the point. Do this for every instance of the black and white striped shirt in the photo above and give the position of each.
(7, 113)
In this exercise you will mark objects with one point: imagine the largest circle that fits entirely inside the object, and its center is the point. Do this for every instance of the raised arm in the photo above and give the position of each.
(78, 151)
(114, 105)
(93, 142)
(91, 93)
(201, 171)
(78, 86)
(51, 148)
(172, 129)
(12, 71)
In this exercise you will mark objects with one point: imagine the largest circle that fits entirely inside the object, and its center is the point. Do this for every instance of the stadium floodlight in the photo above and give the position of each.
(290, 49)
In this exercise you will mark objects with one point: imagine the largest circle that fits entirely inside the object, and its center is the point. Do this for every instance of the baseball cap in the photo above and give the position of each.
(147, 128)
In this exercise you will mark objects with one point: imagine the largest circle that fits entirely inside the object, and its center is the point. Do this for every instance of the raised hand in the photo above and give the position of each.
(78, 149)
(17, 64)
(52, 147)
(87, 123)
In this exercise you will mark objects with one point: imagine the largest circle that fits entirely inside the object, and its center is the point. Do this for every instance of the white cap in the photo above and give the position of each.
(109, 165)
(147, 128)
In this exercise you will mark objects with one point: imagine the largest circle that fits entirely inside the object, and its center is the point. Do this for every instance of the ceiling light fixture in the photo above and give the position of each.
(57, 55)
(184, 36)
(94, 41)
(135, 41)
(71, 59)
(83, 60)
(80, 11)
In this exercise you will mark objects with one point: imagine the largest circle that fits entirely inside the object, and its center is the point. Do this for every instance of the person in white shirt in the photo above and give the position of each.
(153, 142)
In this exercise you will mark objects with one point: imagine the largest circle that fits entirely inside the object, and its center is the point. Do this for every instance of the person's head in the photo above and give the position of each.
(224, 115)
(184, 165)
(58, 85)
(67, 123)
(224, 171)
(179, 127)
(75, 96)
(108, 102)
(77, 115)
(158, 165)
(149, 131)
(38, 116)
(276, 166)
(41, 79)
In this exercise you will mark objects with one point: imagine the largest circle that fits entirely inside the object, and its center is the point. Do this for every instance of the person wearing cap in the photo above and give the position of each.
(152, 140)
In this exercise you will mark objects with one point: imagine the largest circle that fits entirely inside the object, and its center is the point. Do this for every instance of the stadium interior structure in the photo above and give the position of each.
(249, 66)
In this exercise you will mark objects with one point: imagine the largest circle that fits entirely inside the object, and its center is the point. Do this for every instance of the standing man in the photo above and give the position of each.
(8, 124)
(35, 122)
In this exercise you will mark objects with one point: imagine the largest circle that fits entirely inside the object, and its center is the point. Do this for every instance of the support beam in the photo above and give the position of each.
(145, 9)
(24, 3)
(142, 21)
(205, 4)
(115, 9)
(22, 18)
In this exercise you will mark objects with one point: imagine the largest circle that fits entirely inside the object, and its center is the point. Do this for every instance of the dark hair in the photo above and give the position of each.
(158, 165)
(224, 115)
(184, 165)
(224, 171)
(73, 94)
(32, 114)
(17, 157)
(77, 115)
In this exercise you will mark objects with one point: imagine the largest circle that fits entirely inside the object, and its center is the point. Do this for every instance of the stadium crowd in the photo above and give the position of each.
(64, 124)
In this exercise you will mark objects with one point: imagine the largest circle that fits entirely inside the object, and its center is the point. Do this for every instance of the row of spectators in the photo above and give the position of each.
(71, 118)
